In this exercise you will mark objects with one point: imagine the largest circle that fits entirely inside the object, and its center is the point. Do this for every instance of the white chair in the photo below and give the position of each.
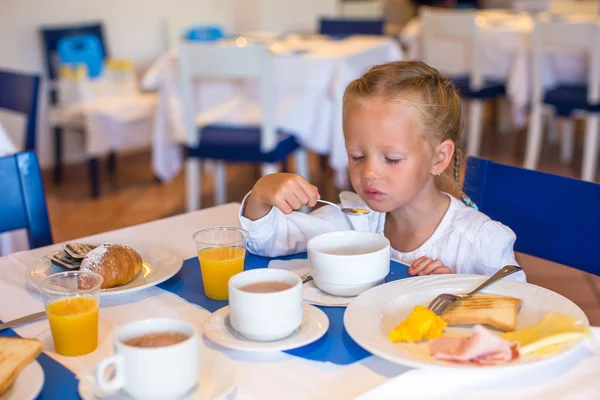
(238, 130)
(461, 26)
(567, 100)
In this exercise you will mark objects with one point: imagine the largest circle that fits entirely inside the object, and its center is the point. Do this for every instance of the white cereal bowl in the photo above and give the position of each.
(348, 263)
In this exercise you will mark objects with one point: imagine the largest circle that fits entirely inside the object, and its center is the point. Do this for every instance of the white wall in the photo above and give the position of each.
(134, 29)
(282, 16)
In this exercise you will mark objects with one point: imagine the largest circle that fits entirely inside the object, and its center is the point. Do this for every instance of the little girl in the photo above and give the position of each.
(402, 121)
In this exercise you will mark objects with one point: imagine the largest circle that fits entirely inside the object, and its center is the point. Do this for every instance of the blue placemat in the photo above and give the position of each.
(335, 346)
(59, 382)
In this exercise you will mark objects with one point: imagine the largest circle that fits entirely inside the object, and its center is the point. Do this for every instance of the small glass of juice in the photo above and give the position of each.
(221, 252)
(72, 301)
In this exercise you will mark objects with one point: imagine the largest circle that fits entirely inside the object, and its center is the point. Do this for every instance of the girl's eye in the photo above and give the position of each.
(357, 158)
(391, 161)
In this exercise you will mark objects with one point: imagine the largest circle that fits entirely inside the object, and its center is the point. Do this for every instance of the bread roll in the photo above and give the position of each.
(117, 264)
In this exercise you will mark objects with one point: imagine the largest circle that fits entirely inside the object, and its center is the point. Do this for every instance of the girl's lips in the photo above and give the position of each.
(373, 193)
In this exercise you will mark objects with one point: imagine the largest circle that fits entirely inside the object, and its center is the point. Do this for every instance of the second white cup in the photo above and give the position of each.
(154, 369)
(265, 304)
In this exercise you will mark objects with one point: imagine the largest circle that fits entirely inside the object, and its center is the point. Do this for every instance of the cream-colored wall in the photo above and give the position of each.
(282, 16)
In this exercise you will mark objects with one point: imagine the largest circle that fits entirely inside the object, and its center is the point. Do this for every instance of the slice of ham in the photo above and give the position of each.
(483, 347)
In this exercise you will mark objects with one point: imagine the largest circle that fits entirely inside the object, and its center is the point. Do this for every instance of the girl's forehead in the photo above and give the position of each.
(382, 120)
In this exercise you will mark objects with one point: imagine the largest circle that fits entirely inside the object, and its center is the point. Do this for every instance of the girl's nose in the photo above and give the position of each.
(370, 170)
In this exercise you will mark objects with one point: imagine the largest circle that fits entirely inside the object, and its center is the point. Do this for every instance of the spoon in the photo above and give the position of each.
(350, 210)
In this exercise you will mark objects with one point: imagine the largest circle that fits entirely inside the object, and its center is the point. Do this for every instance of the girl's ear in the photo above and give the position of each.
(442, 158)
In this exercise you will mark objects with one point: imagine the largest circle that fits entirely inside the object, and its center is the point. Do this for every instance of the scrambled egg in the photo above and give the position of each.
(421, 324)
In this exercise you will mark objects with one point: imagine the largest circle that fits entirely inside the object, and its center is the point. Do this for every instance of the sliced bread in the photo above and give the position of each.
(497, 311)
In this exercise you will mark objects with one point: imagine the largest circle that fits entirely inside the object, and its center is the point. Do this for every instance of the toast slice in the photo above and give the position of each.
(497, 311)
(15, 355)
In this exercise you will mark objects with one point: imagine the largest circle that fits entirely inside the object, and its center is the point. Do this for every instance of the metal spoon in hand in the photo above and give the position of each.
(349, 210)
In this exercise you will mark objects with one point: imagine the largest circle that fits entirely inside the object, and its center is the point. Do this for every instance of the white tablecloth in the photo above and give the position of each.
(110, 123)
(309, 90)
(506, 46)
(261, 376)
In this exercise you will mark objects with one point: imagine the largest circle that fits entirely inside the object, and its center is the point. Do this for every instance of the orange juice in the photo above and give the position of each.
(218, 264)
(74, 325)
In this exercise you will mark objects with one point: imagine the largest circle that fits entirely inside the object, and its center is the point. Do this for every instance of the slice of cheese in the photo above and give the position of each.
(551, 334)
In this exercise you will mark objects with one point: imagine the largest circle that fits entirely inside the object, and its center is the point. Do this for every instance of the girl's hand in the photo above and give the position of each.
(426, 266)
(288, 192)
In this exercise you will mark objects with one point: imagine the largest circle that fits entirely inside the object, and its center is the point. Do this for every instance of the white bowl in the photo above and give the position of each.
(348, 263)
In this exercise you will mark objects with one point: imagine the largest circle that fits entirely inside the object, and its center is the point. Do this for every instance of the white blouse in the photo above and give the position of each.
(466, 240)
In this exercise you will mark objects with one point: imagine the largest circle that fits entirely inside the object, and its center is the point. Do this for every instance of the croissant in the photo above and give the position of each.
(117, 264)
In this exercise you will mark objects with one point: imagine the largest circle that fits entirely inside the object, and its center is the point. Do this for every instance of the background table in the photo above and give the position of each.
(310, 77)
(506, 53)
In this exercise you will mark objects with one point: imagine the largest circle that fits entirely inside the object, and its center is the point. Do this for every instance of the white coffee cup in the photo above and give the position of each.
(265, 316)
(167, 372)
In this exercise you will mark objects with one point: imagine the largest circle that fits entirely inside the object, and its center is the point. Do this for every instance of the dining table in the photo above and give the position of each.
(333, 367)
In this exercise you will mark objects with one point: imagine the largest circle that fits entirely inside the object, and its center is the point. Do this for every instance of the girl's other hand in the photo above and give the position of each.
(426, 266)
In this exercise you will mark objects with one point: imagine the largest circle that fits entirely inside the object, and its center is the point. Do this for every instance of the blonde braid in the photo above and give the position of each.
(466, 199)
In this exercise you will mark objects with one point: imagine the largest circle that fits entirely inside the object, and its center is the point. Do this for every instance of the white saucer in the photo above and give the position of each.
(28, 385)
(218, 329)
(315, 296)
(217, 379)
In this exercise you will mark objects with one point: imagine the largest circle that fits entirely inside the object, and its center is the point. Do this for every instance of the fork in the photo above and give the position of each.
(440, 304)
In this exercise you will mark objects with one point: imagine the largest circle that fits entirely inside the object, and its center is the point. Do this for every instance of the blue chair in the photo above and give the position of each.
(554, 217)
(19, 93)
(51, 37)
(204, 33)
(82, 49)
(23, 203)
(342, 28)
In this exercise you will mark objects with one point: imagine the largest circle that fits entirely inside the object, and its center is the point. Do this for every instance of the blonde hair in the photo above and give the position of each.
(428, 95)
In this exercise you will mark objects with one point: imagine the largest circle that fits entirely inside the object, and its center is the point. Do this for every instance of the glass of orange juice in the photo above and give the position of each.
(72, 301)
(221, 252)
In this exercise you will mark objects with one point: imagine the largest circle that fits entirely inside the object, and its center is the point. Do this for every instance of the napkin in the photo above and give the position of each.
(570, 377)
(310, 292)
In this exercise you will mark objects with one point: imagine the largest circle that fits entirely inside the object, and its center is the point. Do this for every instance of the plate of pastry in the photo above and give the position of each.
(125, 267)
(511, 324)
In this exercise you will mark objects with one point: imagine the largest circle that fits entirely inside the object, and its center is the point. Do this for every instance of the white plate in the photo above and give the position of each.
(28, 385)
(217, 379)
(160, 264)
(372, 315)
(218, 329)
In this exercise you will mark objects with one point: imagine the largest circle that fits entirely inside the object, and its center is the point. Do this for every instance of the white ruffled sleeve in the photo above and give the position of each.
(494, 246)
(277, 234)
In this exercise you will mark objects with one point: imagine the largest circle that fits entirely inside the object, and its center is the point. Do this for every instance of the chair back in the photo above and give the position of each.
(441, 26)
(348, 27)
(23, 203)
(554, 217)
(82, 49)
(209, 61)
(50, 39)
(570, 34)
(19, 93)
